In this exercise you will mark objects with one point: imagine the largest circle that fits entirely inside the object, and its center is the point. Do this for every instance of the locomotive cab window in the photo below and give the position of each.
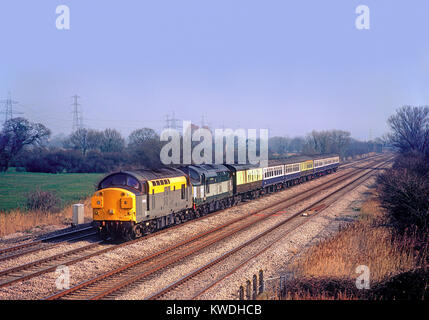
(120, 180)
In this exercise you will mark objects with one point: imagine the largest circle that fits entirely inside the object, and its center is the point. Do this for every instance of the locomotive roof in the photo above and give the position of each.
(238, 167)
(209, 170)
(151, 174)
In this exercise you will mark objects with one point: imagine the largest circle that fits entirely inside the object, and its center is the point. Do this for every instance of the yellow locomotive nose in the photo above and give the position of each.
(113, 204)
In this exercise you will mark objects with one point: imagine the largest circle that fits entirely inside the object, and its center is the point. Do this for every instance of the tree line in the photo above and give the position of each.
(28, 146)
(323, 142)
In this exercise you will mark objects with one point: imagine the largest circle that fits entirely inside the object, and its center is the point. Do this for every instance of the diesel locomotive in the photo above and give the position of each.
(129, 204)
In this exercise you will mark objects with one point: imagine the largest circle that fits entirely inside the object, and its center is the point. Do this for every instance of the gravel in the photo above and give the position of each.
(174, 273)
(44, 285)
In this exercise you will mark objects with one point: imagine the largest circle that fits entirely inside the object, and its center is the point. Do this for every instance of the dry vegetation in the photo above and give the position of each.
(327, 271)
(24, 221)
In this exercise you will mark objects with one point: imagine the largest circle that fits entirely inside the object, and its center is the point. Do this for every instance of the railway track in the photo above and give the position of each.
(45, 265)
(113, 281)
(356, 163)
(45, 244)
(255, 246)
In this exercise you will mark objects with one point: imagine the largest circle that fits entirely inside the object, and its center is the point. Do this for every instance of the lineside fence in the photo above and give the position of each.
(272, 287)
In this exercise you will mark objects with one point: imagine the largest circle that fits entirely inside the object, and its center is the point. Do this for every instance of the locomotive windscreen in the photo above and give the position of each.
(120, 180)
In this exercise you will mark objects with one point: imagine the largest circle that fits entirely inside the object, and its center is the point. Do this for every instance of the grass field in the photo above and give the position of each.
(70, 187)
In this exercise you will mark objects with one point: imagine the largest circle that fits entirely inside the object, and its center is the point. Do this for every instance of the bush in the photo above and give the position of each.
(71, 161)
(45, 201)
(404, 191)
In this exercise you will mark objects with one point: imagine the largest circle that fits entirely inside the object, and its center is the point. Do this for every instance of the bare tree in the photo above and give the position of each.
(142, 135)
(145, 147)
(340, 141)
(16, 134)
(323, 142)
(112, 141)
(410, 129)
(84, 140)
(296, 144)
(278, 145)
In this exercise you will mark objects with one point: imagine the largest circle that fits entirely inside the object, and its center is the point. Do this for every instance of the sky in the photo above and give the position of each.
(287, 66)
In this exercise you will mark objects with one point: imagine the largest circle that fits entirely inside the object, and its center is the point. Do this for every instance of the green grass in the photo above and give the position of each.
(70, 187)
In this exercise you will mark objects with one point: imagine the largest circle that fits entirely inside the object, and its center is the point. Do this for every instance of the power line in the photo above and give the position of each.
(8, 104)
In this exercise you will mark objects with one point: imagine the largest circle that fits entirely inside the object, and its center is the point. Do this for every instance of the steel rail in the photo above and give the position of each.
(42, 246)
(36, 242)
(317, 207)
(117, 271)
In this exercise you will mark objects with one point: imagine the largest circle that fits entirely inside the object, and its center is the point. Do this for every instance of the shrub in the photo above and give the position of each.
(45, 201)
(404, 191)
(71, 161)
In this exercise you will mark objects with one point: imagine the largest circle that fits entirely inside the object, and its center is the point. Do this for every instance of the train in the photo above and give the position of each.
(130, 204)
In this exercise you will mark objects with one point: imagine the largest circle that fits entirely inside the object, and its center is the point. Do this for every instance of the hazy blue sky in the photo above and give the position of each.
(290, 66)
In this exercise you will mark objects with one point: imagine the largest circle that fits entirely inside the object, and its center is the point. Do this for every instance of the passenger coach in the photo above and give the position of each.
(132, 203)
